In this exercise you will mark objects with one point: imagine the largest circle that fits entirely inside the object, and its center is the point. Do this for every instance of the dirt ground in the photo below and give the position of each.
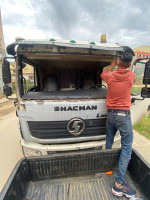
(1, 95)
(10, 147)
(6, 108)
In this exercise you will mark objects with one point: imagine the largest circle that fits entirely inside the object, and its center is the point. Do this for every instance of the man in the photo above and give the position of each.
(119, 83)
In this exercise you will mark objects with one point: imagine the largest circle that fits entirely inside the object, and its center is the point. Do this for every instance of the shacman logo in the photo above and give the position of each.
(76, 126)
(75, 108)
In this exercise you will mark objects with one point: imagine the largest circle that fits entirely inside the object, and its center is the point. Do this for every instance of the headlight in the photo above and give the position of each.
(31, 152)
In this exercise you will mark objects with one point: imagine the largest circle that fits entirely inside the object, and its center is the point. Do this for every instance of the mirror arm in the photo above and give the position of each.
(15, 99)
(133, 99)
(137, 60)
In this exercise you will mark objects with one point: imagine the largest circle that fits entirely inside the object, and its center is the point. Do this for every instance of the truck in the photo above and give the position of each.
(60, 97)
(62, 115)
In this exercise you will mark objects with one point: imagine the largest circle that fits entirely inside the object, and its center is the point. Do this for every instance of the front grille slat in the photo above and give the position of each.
(58, 129)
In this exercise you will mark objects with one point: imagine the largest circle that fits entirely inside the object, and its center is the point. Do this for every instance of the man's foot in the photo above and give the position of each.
(123, 189)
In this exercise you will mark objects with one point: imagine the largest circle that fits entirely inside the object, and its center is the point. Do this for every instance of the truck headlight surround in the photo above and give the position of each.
(31, 152)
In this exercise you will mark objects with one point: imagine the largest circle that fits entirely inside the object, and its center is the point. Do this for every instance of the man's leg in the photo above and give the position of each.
(124, 125)
(121, 188)
(110, 130)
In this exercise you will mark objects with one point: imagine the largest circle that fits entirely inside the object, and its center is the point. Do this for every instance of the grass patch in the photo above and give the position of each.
(136, 89)
(143, 127)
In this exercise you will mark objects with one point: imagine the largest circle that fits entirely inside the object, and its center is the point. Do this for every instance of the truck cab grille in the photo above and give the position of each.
(58, 129)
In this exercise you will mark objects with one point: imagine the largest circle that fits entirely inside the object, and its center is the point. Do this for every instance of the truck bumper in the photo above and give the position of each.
(34, 149)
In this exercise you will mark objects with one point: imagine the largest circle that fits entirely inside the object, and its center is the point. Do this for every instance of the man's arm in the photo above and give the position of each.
(112, 65)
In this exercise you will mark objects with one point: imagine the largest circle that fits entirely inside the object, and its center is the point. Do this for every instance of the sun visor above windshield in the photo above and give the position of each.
(25, 45)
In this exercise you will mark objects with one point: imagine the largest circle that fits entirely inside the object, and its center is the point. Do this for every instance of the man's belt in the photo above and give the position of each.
(127, 112)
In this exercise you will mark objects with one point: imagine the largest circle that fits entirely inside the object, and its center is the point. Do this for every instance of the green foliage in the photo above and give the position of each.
(28, 84)
(13, 87)
(139, 72)
(136, 89)
(143, 127)
(138, 80)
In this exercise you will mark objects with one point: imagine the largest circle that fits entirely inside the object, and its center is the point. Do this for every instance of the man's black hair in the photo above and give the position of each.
(127, 54)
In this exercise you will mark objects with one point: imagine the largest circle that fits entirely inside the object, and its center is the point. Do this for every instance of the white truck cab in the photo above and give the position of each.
(61, 105)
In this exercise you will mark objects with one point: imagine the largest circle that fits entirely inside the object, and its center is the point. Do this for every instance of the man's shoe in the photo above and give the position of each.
(124, 189)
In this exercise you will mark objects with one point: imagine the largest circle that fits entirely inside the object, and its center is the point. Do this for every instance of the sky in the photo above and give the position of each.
(123, 21)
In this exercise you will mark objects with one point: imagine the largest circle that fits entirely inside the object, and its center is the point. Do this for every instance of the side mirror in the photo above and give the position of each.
(145, 93)
(6, 72)
(146, 79)
(7, 90)
(6, 78)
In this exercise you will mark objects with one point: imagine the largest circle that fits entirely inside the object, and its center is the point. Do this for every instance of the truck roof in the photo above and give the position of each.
(27, 45)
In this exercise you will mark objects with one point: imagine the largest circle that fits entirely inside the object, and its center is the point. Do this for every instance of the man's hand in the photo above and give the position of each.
(104, 73)
(112, 64)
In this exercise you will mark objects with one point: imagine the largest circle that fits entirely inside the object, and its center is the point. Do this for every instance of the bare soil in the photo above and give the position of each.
(6, 108)
(1, 95)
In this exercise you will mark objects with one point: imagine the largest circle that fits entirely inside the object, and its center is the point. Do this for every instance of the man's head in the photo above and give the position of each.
(125, 59)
